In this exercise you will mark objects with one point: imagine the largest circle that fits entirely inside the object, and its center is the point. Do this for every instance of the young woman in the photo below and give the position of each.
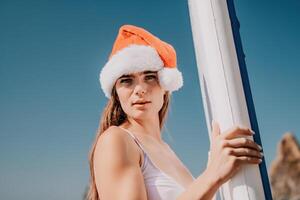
(129, 160)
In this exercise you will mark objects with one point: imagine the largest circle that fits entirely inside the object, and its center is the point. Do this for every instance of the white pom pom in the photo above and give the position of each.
(170, 79)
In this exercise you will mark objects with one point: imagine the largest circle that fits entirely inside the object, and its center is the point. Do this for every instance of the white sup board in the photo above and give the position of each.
(225, 88)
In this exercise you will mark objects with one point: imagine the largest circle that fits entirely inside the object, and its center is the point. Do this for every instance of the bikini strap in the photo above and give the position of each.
(135, 139)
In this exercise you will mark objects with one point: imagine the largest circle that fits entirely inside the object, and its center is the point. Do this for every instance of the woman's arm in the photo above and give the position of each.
(116, 166)
(203, 188)
(228, 152)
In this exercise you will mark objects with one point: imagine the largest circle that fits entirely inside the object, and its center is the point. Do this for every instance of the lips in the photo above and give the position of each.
(141, 102)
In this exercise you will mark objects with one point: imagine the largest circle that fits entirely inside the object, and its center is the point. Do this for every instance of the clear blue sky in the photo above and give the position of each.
(51, 53)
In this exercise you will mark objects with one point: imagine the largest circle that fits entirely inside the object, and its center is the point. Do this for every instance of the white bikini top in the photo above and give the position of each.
(159, 185)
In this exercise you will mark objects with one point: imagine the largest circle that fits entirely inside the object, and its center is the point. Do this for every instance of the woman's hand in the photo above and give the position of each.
(229, 150)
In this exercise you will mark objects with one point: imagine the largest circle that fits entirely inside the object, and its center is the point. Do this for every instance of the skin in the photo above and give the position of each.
(118, 159)
(146, 87)
(144, 122)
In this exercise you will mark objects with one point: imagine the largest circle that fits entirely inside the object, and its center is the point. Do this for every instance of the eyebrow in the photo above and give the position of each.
(145, 72)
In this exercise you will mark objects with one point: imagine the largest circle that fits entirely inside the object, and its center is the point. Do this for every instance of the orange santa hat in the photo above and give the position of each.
(137, 50)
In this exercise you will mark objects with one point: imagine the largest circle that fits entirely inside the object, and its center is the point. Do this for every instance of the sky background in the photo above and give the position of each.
(51, 53)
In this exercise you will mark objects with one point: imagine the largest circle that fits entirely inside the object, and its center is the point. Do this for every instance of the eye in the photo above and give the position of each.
(127, 80)
(151, 77)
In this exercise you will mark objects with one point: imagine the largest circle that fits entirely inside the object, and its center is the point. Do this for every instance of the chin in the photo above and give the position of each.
(142, 114)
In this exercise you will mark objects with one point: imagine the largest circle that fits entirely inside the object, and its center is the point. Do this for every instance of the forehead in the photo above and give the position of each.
(138, 74)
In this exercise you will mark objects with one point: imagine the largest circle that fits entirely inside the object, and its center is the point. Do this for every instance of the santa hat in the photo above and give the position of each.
(137, 50)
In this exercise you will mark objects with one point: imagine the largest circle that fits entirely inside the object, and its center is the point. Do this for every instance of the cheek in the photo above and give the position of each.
(159, 101)
(162, 101)
(124, 100)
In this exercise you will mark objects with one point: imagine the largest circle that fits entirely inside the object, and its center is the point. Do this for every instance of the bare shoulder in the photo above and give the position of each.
(110, 136)
(116, 167)
(112, 142)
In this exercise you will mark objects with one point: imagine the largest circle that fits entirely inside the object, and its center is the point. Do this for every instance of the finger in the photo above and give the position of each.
(245, 152)
(242, 142)
(215, 129)
(248, 160)
(236, 131)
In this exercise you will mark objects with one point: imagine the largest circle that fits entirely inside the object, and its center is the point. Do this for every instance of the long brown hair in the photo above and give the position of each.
(113, 114)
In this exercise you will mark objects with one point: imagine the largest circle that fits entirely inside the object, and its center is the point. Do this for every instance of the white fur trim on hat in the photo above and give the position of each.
(138, 58)
(170, 79)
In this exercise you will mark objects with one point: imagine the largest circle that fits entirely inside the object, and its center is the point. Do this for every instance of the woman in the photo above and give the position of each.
(129, 159)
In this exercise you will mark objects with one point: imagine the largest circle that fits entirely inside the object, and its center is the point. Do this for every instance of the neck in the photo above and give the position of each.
(148, 127)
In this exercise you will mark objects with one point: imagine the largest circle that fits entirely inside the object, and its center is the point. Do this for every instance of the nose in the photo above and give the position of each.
(140, 89)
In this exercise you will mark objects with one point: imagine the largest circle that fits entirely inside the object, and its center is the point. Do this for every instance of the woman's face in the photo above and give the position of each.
(140, 87)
